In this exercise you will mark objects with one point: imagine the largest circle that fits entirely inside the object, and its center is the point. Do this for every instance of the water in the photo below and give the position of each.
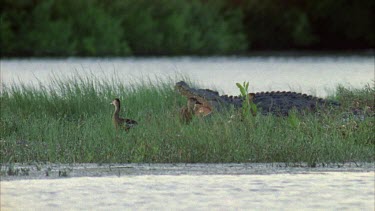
(317, 75)
(194, 187)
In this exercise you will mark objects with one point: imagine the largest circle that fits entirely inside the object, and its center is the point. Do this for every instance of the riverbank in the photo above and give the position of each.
(69, 121)
(18, 171)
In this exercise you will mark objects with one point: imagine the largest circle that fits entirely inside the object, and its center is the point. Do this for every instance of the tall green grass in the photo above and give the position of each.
(70, 120)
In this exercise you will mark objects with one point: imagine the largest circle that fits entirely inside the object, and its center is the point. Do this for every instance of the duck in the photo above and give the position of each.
(118, 121)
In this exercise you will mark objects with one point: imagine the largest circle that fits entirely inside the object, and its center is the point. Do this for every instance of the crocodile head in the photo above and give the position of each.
(200, 101)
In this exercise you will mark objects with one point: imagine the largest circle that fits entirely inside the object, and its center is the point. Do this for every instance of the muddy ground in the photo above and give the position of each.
(53, 171)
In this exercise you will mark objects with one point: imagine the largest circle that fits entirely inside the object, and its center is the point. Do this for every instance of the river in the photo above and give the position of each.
(233, 186)
(317, 75)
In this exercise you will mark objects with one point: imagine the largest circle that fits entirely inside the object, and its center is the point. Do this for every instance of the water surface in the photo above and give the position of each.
(318, 75)
(198, 187)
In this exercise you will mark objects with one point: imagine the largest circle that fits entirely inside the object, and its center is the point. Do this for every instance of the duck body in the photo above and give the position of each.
(118, 121)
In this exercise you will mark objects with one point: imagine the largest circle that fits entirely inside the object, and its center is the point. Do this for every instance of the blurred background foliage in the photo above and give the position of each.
(177, 27)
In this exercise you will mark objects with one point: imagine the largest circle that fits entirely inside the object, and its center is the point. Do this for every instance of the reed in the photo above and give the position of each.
(70, 121)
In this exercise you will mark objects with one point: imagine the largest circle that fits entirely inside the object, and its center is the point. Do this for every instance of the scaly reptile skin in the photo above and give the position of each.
(278, 103)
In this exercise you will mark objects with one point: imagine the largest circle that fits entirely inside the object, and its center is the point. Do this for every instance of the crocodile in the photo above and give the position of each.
(203, 102)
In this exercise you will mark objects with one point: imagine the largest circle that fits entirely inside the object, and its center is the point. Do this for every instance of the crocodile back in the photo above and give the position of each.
(281, 103)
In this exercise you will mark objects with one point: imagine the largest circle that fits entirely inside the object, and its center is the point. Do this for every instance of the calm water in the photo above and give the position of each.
(316, 75)
(194, 187)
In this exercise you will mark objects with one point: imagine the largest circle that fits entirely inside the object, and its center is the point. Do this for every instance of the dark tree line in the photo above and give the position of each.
(175, 27)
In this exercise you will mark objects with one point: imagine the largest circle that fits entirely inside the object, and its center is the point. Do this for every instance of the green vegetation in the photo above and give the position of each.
(248, 107)
(117, 27)
(70, 121)
(175, 27)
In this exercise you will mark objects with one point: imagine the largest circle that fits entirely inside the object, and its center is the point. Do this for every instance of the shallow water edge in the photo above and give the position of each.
(53, 171)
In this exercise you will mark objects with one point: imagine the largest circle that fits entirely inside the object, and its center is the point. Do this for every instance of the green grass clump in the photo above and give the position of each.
(70, 121)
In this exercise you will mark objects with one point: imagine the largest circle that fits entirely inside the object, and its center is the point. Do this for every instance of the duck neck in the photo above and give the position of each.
(116, 114)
